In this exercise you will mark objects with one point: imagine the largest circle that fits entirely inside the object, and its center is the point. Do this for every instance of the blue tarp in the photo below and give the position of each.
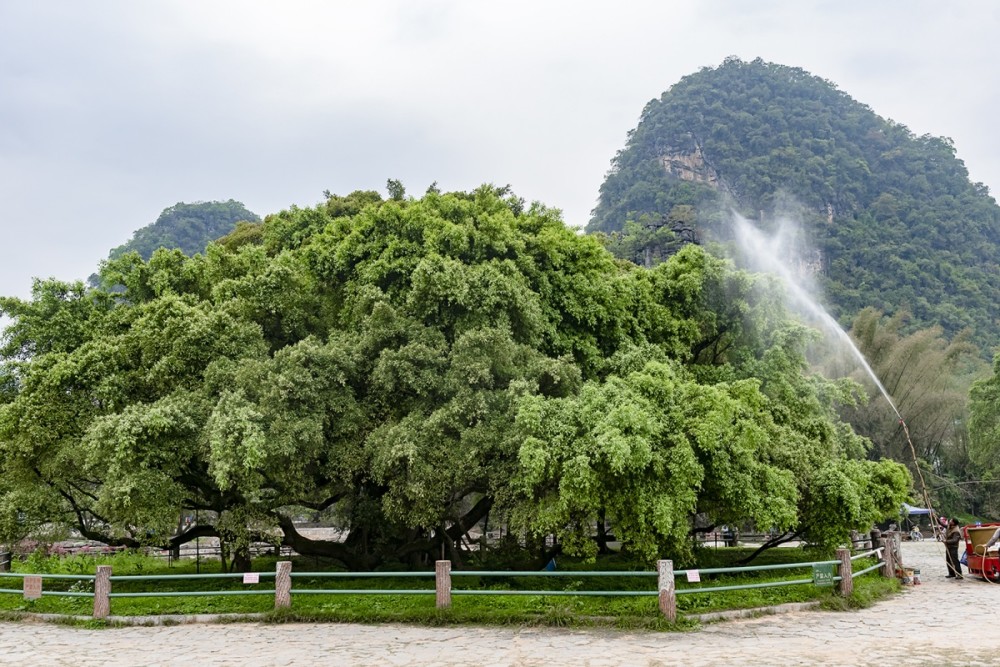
(910, 509)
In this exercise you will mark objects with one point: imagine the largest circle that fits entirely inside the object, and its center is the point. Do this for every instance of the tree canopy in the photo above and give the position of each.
(415, 365)
(984, 435)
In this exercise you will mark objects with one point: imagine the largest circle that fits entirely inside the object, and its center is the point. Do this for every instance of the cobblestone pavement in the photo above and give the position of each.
(941, 622)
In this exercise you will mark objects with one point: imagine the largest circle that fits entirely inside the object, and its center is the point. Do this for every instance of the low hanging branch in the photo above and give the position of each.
(450, 535)
(770, 544)
(325, 548)
(191, 534)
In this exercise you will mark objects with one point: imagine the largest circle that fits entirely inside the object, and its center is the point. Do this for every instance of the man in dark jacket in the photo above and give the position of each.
(952, 538)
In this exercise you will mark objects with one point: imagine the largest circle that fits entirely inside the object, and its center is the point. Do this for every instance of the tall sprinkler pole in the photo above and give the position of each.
(920, 475)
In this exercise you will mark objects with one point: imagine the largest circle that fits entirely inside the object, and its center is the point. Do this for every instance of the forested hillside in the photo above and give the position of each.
(188, 227)
(895, 218)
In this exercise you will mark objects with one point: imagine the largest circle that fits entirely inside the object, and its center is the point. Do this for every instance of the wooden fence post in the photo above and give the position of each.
(846, 584)
(102, 592)
(888, 559)
(283, 585)
(668, 596)
(442, 583)
(896, 540)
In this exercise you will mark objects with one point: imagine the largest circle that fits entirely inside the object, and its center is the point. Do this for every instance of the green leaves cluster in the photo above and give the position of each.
(414, 365)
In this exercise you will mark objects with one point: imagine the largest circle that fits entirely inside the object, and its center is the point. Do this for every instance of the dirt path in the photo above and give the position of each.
(941, 622)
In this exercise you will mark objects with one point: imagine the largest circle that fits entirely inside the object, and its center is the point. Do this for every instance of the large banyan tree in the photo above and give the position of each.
(415, 366)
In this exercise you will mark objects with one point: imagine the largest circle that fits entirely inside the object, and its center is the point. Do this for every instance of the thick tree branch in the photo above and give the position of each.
(773, 542)
(326, 548)
(85, 531)
(321, 505)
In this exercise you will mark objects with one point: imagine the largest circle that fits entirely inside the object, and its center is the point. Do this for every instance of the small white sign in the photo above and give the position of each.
(693, 576)
(32, 587)
(251, 577)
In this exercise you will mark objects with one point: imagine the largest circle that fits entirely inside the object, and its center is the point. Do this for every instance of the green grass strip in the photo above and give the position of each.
(171, 594)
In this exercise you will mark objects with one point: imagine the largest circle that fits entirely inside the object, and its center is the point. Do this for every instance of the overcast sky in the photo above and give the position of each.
(111, 111)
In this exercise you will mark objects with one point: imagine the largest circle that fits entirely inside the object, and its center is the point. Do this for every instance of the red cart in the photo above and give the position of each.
(978, 561)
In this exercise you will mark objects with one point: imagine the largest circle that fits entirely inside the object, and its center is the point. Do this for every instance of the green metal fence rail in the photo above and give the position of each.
(178, 577)
(577, 574)
(867, 554)
(739, 587)
(282, 589)
(175, 577)
(363, 575)
(874, 567)
(68, 594)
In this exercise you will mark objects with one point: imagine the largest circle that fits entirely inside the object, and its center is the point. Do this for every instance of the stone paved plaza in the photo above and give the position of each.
(941, 622)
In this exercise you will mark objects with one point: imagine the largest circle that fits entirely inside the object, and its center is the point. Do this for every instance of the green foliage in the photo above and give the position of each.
(860, 493)
(411, 365)
(610, 447)
(984, 432)
(396, 190)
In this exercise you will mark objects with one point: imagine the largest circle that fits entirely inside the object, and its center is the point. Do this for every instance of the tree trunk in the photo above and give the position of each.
(602, 532)
(241, 559)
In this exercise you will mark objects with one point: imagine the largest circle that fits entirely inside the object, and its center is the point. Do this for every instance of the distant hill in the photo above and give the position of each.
(895, 219)
(189, 227)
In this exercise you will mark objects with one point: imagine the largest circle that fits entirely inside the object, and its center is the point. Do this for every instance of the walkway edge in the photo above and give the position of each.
(166, 619)
(732, 614)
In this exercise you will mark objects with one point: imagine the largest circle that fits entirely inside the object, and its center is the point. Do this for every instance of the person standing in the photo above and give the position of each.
(952, 538)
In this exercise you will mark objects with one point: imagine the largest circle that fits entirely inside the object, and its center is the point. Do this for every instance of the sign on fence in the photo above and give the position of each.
(32, 587)
(693, 576)
(823, 574)
(251, 577)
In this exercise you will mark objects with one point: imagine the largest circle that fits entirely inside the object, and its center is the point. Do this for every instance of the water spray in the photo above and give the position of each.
(767, 255)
